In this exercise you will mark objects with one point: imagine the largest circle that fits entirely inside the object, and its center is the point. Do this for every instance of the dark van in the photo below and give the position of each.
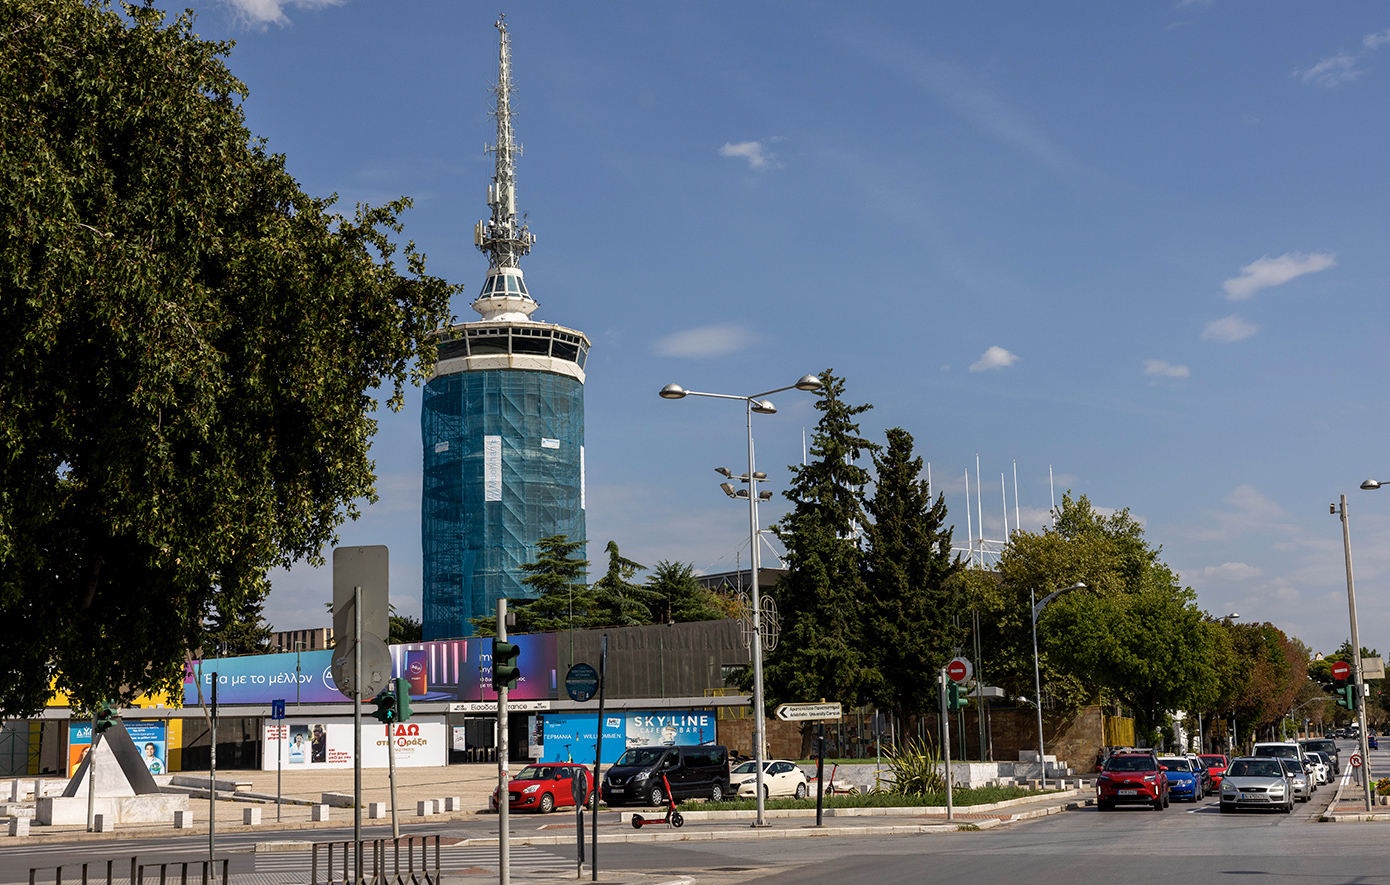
(693, 772)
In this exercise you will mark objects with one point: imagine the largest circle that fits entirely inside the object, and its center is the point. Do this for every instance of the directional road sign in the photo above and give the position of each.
(1341, 670)
(959, 669)
(803, 712)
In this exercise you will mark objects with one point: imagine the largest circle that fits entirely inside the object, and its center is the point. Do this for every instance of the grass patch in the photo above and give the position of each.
(960, 797)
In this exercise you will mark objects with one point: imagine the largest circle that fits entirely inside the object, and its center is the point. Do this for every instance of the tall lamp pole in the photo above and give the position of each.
(753, 403)
(1037, 670)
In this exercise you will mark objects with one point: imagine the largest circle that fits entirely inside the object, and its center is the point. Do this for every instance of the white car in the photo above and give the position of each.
(1319, 765)
(780, 778)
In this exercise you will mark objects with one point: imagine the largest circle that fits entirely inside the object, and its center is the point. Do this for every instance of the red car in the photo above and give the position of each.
(1132, 779)
(545, 787)
(1216, 767)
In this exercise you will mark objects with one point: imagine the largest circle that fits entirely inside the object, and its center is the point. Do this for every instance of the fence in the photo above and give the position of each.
(137, 871)
(377, 850)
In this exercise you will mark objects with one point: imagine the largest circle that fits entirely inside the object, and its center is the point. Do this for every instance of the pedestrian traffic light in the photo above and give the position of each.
(105, 717)
(504, 668)
(954, 699)
(402, 699)
(1346, 696)
(385, 707)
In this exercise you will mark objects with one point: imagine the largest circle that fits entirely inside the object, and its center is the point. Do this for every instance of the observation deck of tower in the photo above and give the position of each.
(502, 423)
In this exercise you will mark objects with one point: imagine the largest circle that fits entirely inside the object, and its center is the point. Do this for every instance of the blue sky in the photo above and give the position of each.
(1143, 243)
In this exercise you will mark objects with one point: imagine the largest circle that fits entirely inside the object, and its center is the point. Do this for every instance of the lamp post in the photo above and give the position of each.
(1037, 670)
(753, 403)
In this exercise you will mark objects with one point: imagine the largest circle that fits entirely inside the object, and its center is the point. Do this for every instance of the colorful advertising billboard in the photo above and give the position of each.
(305, 744)
(446, 670)
(570, 737)
(150, 737)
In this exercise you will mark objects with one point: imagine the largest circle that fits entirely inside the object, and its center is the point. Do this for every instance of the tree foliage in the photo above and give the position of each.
(819, 653)
(909, 613)
(190, 347)
(677, 597)
(239, 630)
(615, 601)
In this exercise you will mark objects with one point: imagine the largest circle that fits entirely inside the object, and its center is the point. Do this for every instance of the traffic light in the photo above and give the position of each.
(386, 710)
(402, 699)
(954, 699)
(105, 717)
(1346, 696)
(504, 668)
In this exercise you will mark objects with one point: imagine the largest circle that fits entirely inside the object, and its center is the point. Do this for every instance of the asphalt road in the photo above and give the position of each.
(1185, 843)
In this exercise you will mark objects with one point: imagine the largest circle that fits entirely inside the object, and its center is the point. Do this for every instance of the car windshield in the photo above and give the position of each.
(1255, 768)
(1175, 764)
(1130, 763)
(748, 768)
(1215, 761)
(1285, 750)
(1291, 766)
(536, 773)
(642, 756)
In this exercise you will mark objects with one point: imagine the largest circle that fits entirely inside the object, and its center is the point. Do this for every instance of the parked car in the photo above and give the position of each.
(780, 778)
(1216, 768)
(1326, 747)
(1207, 786)
(693, 772)
(1256, 783)
(1183, 781)
(1132, 779)
(544, 788)
(1321, 768)
(1282, 749)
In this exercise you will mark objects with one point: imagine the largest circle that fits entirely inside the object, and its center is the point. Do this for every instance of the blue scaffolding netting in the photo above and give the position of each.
(503, 467)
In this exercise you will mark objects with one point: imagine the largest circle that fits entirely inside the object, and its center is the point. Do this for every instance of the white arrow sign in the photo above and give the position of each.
(802, 712)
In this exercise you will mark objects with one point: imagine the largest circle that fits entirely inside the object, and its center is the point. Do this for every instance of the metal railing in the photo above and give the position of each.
(375, 859)
(137, 871)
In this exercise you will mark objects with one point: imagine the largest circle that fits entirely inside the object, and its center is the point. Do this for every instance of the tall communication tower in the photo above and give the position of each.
(503, 419)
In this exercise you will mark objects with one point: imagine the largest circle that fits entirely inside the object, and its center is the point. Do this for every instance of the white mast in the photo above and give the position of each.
(1053, 491)
(1018, 523)
(1004, 496)
(980, 506)
(969, 528)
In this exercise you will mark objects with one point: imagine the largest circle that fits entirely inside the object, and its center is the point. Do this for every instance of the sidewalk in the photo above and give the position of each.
(1349, 804)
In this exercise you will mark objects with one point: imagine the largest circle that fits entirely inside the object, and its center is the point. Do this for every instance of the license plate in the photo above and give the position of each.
(1129, 792)
(1249, 797)
(615, 789)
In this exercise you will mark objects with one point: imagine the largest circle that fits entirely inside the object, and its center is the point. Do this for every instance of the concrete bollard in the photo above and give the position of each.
(14, 795)
(453, 803)
(425, 807)
(318, 812)
(183, 820)
(376, 810)
(103, 824)
(19, 826)
(250, 817)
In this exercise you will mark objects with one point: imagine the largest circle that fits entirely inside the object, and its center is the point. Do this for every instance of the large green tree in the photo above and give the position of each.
(819, 653)
(564, 600)
(679, 597)
(190, 348)
(909, 611)
(239, 630)
(615, 601)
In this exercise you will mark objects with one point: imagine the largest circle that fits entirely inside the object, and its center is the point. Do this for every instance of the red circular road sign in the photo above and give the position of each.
(958, 669)
(1341, 670)
(1355, 760)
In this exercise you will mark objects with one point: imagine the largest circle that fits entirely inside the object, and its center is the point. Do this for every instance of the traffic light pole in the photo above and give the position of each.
(1356, 660)
(91, 779)
(391, 768)
(946, 742)
(504, 865)
(357, 726)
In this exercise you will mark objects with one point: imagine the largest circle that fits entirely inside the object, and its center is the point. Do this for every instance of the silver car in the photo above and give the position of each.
(1256, 783)
(1303, 783)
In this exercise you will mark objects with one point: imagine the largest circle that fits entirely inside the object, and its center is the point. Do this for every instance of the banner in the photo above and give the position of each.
(150, 737)
(305, 744)
(570, 737)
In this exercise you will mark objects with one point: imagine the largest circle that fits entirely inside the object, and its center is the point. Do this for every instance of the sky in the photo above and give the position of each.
(1139, 244)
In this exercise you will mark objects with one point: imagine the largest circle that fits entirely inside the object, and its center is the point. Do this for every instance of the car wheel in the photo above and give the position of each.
(1165, 800)
(801, 791)
(1289, 808)
(656, 797)
(716, 793)
(1158, 805)
(1104, 806)
(547, 804)
(1226, 809)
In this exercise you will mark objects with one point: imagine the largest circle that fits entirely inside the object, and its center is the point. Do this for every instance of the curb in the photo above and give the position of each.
(625, 817)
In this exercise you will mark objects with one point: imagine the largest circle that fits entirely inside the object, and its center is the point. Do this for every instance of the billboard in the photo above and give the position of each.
(570, 737)
(150, 737)
(445, 670)
(307, 744)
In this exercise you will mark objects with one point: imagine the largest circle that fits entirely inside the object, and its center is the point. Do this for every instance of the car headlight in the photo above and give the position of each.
(531, 789)
(1228, 787)
(1276, 789)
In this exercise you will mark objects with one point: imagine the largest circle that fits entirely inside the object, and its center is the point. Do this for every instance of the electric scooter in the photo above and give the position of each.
(673, 817)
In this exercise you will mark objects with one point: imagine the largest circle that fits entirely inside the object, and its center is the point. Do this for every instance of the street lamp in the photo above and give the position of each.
(1037, 672)
(754, 403)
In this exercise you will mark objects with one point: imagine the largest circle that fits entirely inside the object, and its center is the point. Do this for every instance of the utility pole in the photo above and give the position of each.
(504, 866)
(1356, 656)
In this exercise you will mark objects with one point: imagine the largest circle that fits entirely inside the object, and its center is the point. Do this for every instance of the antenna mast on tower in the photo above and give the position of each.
(503, 237)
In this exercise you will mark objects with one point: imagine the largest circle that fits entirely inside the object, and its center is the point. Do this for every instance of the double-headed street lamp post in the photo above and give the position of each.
(1037, 671)
(753, 403)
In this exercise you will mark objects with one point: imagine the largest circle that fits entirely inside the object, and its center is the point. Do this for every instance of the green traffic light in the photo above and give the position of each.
(385, 707)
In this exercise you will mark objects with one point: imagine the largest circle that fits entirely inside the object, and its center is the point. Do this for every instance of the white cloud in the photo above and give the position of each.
(1233, 571)
(272, 12)
(1332, 71)
(1266, 272)
(1228, 330)
(1163, 369)
(752, 151)
(715, 340)
(994, 358)
(1371, 41)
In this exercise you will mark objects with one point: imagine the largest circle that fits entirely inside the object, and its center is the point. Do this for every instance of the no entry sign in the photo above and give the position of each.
(959, 669)
(1341, 670)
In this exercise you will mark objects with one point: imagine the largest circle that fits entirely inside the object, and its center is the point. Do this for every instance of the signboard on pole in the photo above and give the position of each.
(368, 568)
(807, 712)
(1341, 671)
(959, 669)
(1372, 668)
(581, 682)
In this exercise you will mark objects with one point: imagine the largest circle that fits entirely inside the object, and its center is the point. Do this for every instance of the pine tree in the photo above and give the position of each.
(564, 600)
(680, 598)
(819, 651)
(616, 601)
(908, 569)
(242, 630)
